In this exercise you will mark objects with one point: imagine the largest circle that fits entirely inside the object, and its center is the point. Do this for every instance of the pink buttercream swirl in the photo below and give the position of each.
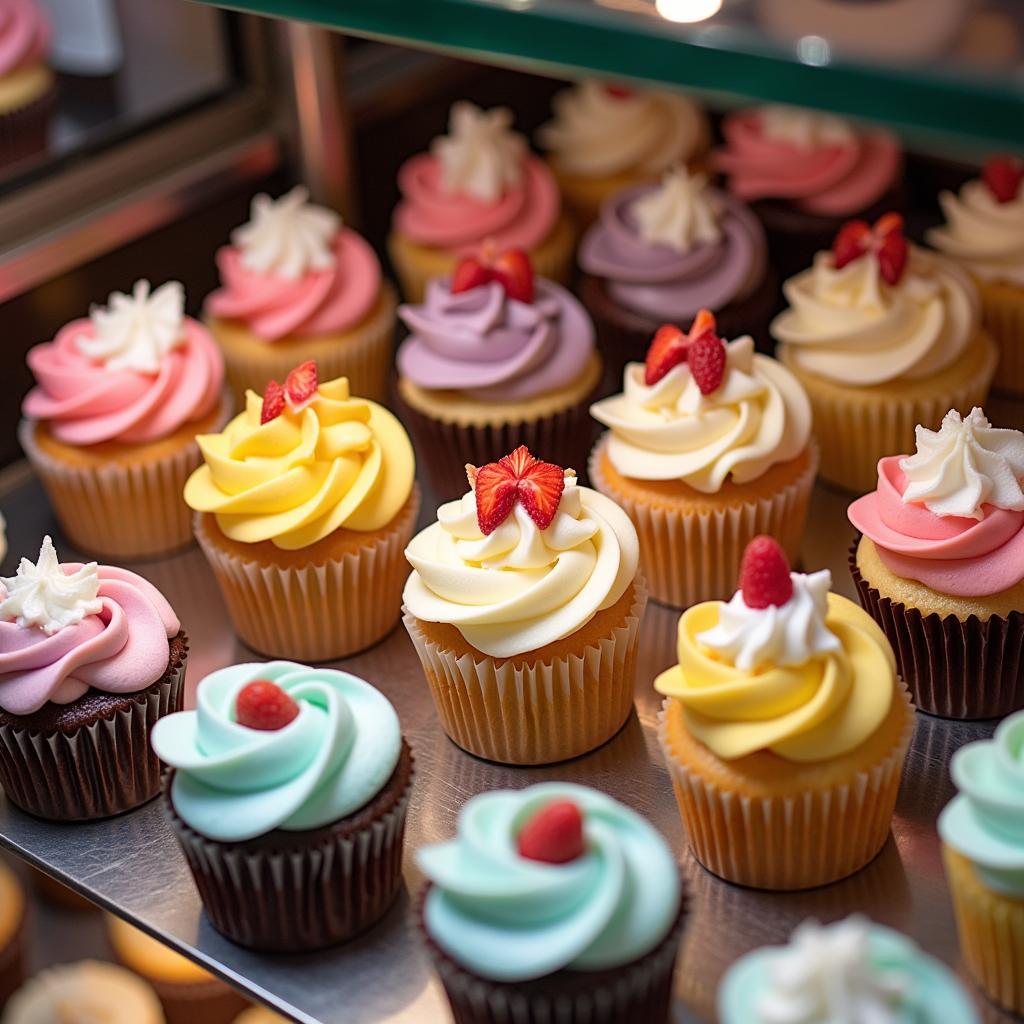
(522, 218)
(24, 35)
(834, 179)
(87, 403)
(319, 302)
(121, 649)
(953, 555)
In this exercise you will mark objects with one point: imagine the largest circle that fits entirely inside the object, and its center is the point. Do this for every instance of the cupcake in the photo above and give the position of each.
(553, 902)
(110, 425)
(304, 505)
(785, 729)
(28, 89)
(804, 173)
(477, 184)
(852, 970)
(90, 657)
(940, 565)
(187, 993)
(984, 234)
(260, 1015)
(605, 138)
(288, 796)
(297, 285)
(983, 847)
(524, 607)
(882, 336)
(709, 445)
(12, 934)
(496, 359)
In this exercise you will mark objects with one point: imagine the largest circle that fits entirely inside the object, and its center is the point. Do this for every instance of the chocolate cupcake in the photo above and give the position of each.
(288, 798)
(91, 656)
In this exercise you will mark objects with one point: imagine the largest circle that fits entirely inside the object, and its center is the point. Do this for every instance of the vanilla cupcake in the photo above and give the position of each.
(12, 934)
(28, 86)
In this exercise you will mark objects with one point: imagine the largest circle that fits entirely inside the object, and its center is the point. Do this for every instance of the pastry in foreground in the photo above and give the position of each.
(882, 335)
(296, 284)
(850, 972)
(305, 503)
(496, 357)
(110, 425)
(478, 183)
(940, 565)
(785, 729)
(553, 902)
(28, 86)
(708, 446)
(524, 607)
(90, 657)
(288, 796)
(13, 950)
(983, 847)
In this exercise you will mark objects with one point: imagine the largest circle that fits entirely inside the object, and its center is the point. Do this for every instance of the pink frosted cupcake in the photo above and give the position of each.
(477, 184)
(28, 90)
(298, 285)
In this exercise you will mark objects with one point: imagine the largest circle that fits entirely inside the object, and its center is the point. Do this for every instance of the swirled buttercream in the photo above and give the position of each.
(233, 783)
(679, 214)
(509, 918)
(336, 462)
(759, 416)
(481, 156)
(25, 35)
(803, 128)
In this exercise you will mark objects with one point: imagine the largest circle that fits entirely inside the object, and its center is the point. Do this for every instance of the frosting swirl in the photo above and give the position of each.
(25, 35)
(759, 416)
(233, 783)
(99, 627)
(520, 587)
(483, 342)
(850, 326)
(337, 462)
(509, 918)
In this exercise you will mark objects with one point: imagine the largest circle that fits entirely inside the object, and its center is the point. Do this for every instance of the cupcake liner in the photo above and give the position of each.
(292, 892)
(534, 712)
(362, 353)
(800, 841)
(1002, 312)
(98, 770)
(692, 557)
(24, 132)
(955, 668)
(120, 511)
(198, 1002)
(314, 612)
(991, 931)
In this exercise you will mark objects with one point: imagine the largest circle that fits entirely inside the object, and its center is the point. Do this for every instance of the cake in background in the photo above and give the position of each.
(28, 88)
(13, 954)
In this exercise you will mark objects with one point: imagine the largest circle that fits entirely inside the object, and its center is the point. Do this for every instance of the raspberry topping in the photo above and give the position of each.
(618, 92)
(764, 574)
(263, 705)
(856, 238)
(512, 269)
(554, 834)
(707, 362)
(670, 344)
(1002, 175)
(537, 485)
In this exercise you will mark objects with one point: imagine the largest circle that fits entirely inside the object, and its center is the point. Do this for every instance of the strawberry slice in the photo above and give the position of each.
(496, 489)
(764, 574)
(470, 273)
(514, 271)
(618, 92)
(706, 356)
(538, 486)
(273, 402)
(300, 385)
(263, 705)
(554, 835)
(885, 239)
(851, 243)
(670, 345)
(1003, 175)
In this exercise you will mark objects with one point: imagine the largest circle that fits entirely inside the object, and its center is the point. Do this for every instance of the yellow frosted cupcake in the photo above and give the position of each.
(785, 729)
(304, 506)
(709, 445)
(883, 336)
(12, 934)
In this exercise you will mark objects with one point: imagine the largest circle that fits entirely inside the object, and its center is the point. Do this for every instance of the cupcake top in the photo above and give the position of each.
(951, 516)
(874, 309)
(277, 746)
(495, 332)
(702, 410)
(12, 904)
(549, 877)
(478, 182)
(25, 34)
(150, 957)
(525, 558)
(304, 460)
(600, 130)
(667, 250)
(294, 271)
(984, 229)
(818, 162)
(133, 372)
(68, 627)
(783, 666)
(985, 821)
(849, 972)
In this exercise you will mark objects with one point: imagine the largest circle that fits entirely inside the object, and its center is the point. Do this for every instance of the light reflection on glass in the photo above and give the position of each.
(813, 50)
(686, 12)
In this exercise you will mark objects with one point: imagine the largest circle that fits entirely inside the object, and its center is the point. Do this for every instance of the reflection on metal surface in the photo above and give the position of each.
(813, 50)
(688, 12)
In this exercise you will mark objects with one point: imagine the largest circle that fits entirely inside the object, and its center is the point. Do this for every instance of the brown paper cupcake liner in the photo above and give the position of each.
(534, 712)
(292, 892)
(97, 770)
(316, 611)
(955, 668)
(689, 558)
(1002, 312)
(24, 132)
(198, 1002)
(790, 842)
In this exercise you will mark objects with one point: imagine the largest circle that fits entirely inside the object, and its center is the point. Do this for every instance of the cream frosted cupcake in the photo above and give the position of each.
(883, 336)
(524, 606)
(708, 445)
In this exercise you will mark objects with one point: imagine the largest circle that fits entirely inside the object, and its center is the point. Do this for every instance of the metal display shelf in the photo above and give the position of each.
(132, 864)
